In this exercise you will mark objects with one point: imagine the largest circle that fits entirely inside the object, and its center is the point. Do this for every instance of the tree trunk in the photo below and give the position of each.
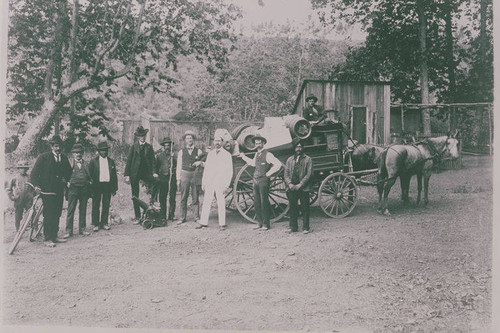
(424, 71)
(450, 57)
(483, 41)
(72, 51)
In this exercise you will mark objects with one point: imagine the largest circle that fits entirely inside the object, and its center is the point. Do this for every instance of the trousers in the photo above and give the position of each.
(52, 208)
(210, 192)
(77, 195)
(261, 197)
(100, 194)
(166, 188)
(294, 197)
(188, 184)
(150, 182)
(21, 204)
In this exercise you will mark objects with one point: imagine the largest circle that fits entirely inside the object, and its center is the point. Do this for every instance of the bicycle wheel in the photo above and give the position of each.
(36, 223)
(25, 222)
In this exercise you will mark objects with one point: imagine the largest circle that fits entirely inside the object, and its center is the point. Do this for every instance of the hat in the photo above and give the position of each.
(102, 145)
(189, 132)
(141, 131)
(22, 164)
(56, 139)
(311, 96)
(296, 141)
(77, 148)
(166, 140)
(258, 136)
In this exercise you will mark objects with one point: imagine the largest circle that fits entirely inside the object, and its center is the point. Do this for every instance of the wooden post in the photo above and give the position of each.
(490, 131)
(402, 119)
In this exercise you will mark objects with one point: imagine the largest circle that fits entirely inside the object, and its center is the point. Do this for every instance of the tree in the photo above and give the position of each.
(415, 44)
(58, 55)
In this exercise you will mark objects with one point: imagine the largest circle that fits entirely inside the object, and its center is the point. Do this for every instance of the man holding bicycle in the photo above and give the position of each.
(50, 175)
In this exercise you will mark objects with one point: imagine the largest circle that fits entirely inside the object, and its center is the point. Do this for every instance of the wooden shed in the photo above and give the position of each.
(364, 107)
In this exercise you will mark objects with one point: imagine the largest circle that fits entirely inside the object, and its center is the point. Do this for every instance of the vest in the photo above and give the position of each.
(79, 175)
(295, 173)
(261, 165)
(188, 160)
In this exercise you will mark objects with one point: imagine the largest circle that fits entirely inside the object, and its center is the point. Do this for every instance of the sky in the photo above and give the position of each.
(297, 12)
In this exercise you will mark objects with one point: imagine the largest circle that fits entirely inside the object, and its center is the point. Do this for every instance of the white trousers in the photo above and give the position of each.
(210, 191)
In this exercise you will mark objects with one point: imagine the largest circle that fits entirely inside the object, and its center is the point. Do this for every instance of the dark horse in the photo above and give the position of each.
(408, 160)
(364, 156)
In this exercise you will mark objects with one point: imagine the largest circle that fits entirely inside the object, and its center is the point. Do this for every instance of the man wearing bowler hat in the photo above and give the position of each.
(78, 192)
(51, 174)
(102, 171)
(20, 192)
(188, 159)
(313, 112)
(298, 172)
(140, 163)
(266, 164)
(165, 166)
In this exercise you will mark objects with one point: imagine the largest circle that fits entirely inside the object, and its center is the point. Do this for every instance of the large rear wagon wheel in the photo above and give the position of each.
(338, 195)
(244, 199)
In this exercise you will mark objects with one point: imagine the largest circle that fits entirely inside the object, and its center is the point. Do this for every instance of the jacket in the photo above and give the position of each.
(93, 169)
(46, 175)
(305, 172)
(134, 161)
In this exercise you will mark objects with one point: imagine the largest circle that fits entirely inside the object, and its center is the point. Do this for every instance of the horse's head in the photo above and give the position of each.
(450, 146)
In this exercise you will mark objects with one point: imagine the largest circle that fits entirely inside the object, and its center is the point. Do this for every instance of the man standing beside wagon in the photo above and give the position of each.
(266, 164)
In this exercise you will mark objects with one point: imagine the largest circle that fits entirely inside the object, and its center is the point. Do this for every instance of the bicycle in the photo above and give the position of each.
(31, 219)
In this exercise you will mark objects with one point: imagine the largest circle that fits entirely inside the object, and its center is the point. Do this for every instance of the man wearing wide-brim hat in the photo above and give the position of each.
(19, 192)
(78, 192)
(102, 171)
(189, 159)
(51, 174)
(139, 166)
(217, 174)
(266, 165)
(298, 173)
(165, 169)
(313, 112)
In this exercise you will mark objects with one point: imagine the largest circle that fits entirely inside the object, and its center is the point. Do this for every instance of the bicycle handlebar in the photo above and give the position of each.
(37, 189)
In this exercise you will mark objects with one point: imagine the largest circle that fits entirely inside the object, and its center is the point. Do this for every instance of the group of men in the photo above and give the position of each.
(54, 175)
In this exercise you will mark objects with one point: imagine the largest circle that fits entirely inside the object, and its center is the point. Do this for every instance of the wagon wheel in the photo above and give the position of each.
(313, 193)
(338, 195)
(230, 202)
(244, 200)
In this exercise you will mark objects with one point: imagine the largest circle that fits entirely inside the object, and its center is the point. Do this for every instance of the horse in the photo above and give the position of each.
(364, 156)
(404, 161)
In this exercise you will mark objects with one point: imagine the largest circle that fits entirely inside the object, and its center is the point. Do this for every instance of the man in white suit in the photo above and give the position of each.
(216, 180)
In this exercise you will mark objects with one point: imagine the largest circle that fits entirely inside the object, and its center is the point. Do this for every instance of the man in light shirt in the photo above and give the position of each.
(102, 171)
(266, 164)
(216, 180)
(188, 159)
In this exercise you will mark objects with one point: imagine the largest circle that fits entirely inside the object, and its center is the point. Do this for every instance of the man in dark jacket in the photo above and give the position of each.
(313, 112)
(298, 172)
(78, 193)
(165, 169)
(102, 171)
(140, 163)
(51, 174)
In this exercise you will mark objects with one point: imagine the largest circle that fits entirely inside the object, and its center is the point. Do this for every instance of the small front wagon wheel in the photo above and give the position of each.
(338, 195)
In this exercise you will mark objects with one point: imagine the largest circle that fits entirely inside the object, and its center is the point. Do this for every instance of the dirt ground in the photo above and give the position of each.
(423, 269)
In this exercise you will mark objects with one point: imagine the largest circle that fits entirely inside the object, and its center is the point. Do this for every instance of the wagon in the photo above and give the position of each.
(335, 185)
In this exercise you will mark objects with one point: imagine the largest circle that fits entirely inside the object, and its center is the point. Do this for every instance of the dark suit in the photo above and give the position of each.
(102, 191)
(140, 163)
(51, 176)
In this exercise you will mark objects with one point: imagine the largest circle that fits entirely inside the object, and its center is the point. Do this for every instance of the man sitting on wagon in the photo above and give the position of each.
(312, 112)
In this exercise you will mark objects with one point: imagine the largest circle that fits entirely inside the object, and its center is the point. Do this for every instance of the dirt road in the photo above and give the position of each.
(424, 269)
